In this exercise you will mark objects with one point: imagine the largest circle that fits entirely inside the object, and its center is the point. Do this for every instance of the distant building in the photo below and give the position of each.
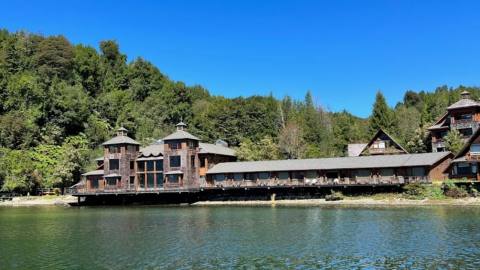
(380, 144)
(463, 115)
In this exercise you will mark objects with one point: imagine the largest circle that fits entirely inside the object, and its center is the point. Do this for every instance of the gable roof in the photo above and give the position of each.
(152, 150)
(380, 132)
(180, 134)
(361, 162)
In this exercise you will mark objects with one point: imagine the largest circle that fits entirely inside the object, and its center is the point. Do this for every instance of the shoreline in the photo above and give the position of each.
(39, 201)
(348, 201)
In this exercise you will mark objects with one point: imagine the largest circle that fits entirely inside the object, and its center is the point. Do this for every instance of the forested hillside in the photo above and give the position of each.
(59, 101)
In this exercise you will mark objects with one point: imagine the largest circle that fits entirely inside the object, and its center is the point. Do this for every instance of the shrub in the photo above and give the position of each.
(57, 191)
(334, 196)
(453, 191)
(415, 190)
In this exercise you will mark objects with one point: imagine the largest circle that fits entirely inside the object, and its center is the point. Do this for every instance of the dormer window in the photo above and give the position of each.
(379, 145)
(475, 149)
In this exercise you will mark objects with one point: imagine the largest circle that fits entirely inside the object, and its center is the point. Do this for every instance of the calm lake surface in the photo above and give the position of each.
(188, 237)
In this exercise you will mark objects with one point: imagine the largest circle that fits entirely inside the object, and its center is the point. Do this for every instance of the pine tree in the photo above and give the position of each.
(382, 116)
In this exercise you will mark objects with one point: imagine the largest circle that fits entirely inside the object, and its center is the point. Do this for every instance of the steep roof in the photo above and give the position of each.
(179, 135)
(208, 148)
(441, 123)
(121, 139)
(361, 162)
(380, 132)
(355, 149)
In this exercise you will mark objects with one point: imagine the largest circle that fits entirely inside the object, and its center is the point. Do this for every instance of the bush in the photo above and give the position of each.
(334, 196)
(415, 190)
(57, 191)
(453, 191)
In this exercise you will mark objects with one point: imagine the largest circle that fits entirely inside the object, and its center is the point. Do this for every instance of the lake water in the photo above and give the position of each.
(189, 237)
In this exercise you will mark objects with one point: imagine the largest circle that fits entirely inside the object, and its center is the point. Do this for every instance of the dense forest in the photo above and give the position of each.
(59, 101)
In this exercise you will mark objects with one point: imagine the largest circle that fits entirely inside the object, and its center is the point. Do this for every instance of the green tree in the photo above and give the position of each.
(265, 149)
(454, 141)
(382, 116)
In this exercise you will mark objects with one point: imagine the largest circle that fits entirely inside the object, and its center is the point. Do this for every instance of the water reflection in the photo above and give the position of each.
(240, 237)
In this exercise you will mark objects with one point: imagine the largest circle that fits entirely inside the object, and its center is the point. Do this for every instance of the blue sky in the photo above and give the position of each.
(343, 51)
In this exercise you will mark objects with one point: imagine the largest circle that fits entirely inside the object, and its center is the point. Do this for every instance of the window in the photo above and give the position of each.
(203, 162)
(140, 166)
(141, 180)
(132, 148)
(150, 165)
(150, 180)
(220, 177)
(175, 145)
(466, 131)
(386, 172)
(465, 117)
(159, 165)
(464, 168)
(283, 175)
(192, 161)
(159, 179)
(264, 176)
(114, 164)
(94, 183)
(175, 161)
(298, 175)
(191, 144)
(173, 178)
(362, 173)
(132, 165)
(238, 176)
(418, 171)
(132, 181)
(251, 176)
(111, 181)
(332, 175)
(113, 149)
(311, 174)
(475, 149)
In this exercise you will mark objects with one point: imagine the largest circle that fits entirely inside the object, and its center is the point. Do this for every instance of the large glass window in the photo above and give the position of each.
(175, 145)
(159, 165)
(159, 179)
(114, 164)
(362, 173)
(466, 131)
(150, 165)
(418, 171)
(386, 172)
(141, 180)
(113, 149)
(150, 180)
(141, 166)
(298, 175)
(251, 176)
(175, 161)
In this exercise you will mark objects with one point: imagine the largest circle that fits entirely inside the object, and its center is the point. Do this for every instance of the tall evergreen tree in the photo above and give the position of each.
(382, 116)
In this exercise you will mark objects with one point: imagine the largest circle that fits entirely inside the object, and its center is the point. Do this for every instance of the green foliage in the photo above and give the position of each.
(59, 101)
(415, 190)
(382, 116)
(454, 141)
(265, 149)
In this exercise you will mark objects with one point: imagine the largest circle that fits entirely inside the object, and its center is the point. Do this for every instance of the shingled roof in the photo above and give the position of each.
(362, 162)
(179, 135)
(121, 140)
(208, 148)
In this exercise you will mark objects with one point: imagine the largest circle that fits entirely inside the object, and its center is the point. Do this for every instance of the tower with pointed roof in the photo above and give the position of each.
(119, 157)
(463, 115)
(181, 163)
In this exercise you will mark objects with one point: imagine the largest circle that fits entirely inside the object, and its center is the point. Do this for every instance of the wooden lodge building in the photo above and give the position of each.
(180, 162)
(463, 115)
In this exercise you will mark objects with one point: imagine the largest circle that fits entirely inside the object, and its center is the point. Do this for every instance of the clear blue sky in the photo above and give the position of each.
(343, 51)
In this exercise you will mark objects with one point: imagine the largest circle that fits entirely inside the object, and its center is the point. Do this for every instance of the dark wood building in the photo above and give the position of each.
(463, 115)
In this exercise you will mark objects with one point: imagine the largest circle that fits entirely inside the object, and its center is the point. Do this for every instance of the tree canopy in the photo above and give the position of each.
(59, 101)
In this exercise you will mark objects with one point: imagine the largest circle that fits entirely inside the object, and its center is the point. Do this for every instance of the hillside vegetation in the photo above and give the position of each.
(59, 101)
